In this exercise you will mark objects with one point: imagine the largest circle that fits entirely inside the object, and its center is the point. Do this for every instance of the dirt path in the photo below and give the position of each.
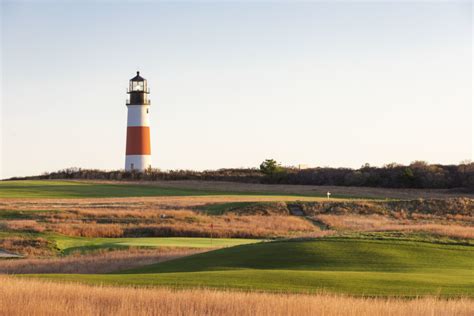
(296, 210)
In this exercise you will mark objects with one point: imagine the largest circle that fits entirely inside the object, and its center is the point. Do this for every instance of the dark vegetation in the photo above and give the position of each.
(418, 174)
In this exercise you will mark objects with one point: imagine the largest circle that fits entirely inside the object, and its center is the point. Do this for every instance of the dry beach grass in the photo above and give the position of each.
(378, 223)
(266, 217)
(34, 297)
(96, 262)
(149, 216)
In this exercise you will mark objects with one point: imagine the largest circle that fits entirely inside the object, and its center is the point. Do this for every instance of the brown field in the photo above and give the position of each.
(105, 223)
(27, 246)
(151, 217)
(138, 203)
(378, 223)
(96, 262)
(442, 206)
(34, 297)
(184, 217)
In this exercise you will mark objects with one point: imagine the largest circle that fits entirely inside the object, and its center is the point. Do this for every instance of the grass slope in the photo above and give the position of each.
(329, 255)
(357, 267)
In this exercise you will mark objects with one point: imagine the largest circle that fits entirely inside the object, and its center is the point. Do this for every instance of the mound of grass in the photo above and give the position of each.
(329, 254)
(357, 267)
(221, 208)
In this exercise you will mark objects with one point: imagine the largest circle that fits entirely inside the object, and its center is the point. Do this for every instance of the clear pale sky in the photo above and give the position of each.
(317, 83)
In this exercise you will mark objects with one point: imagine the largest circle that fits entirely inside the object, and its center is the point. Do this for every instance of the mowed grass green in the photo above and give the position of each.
(350, 266)
(69, 244)
(81, 189)
(76, 189)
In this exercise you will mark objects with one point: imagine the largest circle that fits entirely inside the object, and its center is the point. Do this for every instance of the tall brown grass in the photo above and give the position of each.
(29, 246)
(146, 222)
(228, 226)
(97, 262)
(35, 297)
(382, 223)
(24, 225)
(90, 229)
(181, 216)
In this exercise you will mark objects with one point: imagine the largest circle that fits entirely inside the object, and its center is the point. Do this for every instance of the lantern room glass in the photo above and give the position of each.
(137, 86)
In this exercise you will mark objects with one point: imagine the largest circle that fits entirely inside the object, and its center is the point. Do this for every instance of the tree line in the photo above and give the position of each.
(418, 174)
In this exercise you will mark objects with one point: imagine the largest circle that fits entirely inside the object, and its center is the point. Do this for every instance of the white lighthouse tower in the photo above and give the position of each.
(138, 152)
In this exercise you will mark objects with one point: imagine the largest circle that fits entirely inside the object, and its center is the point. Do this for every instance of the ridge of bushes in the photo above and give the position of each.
(418, 174)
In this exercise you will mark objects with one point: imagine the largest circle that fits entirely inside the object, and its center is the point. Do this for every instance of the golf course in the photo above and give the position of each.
(185, 238)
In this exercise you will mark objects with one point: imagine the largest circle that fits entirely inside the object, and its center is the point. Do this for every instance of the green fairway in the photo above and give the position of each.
(70, 189)
(358, 267)
(328, 254)
(69, 244)
(288, 281)
(75, 189)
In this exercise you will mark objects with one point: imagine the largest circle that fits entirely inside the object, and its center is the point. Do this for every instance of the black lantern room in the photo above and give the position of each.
(138, 91)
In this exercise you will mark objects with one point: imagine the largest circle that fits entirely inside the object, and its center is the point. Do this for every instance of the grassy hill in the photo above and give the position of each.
(351, 266)
(328, 255)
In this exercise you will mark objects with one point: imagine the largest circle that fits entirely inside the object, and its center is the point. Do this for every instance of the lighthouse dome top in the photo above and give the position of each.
(138, 77)
(138, 90)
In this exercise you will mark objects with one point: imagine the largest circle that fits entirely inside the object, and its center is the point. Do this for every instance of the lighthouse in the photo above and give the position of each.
(138, 152)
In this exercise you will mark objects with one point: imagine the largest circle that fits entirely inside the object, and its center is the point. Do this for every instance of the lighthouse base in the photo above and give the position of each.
(137, 162)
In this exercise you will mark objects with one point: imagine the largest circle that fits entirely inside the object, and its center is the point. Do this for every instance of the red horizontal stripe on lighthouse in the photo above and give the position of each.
(138, 140)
